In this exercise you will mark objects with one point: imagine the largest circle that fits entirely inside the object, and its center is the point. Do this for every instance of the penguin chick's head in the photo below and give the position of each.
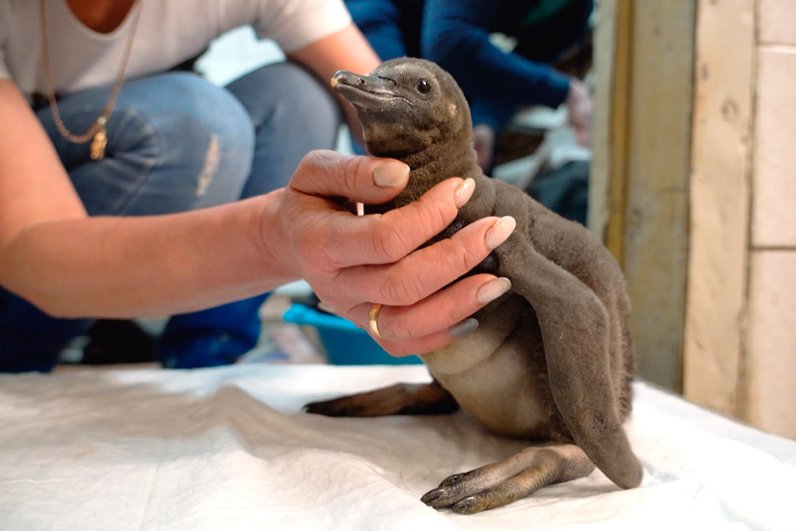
(406, 105)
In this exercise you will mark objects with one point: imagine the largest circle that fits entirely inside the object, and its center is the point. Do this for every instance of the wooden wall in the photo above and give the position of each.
(694, 190)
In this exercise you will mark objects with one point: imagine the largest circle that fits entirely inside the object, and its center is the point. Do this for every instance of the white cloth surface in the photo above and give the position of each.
(229, 448)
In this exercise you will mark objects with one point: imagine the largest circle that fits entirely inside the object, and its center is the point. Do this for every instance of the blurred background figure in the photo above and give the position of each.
(546, 49)
(508, 56)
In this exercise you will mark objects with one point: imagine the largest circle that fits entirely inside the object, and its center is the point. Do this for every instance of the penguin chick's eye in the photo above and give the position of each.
(423, 86)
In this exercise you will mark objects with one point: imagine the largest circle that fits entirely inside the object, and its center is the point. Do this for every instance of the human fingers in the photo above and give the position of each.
(448, 310)
(341, 240)
(417, 346)
(369, 180)
(426, 270)
(487, 292)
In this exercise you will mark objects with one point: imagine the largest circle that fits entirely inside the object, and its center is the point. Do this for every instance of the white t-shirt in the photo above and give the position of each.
(169, 32)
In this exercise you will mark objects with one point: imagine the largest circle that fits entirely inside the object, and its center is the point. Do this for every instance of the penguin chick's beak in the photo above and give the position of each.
(364, 92)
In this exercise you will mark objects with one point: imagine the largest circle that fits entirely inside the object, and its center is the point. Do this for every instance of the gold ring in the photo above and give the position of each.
(373, 319)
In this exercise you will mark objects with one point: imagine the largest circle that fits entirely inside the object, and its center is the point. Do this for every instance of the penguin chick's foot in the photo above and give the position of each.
(399, 399)
(511, 479)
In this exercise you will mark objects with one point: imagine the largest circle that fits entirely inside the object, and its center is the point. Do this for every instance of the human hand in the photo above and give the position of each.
(580, 110)
(353, 262)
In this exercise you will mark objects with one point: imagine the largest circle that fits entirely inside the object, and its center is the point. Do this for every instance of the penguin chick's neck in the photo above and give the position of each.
(433, 164)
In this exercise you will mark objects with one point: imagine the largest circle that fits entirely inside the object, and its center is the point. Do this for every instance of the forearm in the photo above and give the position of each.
(124, 267)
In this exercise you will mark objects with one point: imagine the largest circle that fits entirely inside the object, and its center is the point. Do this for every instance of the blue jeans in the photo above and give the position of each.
(176, 142)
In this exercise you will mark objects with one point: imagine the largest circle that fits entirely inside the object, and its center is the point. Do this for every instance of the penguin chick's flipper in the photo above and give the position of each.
(574, 324)
(399, 399)
(511, 479)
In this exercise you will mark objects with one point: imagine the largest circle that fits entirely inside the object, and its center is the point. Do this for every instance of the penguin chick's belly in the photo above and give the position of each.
(500, 388)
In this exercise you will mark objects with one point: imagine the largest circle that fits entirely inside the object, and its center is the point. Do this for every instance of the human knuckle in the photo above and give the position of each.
(315, 161)
(299, 237)
(313, 250)
(322, 157)
(306, 163)
(351, 169)
(334, 292)
(397, 329)
(399, 290)
(433, 214)
(469, 258)
(458, 257)
(326, 258)
(390, 242)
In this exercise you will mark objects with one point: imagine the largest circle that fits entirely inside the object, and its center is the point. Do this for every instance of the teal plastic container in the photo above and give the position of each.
(344, 342)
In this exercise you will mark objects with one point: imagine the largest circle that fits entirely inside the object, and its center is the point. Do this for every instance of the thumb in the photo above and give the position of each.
(369, 180)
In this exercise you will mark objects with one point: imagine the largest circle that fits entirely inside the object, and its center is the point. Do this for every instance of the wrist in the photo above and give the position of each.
(270, 241)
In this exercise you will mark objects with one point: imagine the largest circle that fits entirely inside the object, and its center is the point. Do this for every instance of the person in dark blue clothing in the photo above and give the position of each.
(456, 35)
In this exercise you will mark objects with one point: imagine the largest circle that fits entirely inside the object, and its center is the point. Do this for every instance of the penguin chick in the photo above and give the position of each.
(551, 361)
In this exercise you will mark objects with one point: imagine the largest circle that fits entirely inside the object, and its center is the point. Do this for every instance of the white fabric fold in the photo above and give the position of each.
(230, 448)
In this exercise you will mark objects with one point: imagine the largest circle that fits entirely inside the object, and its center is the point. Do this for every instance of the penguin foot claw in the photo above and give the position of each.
(517, 477)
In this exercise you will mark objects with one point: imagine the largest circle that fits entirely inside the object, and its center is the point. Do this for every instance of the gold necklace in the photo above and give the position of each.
(96, 133)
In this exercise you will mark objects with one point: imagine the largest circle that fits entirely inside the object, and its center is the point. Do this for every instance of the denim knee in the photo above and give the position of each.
(293, 113)
(175, 142)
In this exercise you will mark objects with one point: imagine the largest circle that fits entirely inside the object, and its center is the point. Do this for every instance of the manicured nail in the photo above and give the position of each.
(492, 290)
(464, 328)
(390, 174)
(500, 231)
(464, 192)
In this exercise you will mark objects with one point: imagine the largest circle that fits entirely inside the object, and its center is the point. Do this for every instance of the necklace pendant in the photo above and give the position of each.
(98, 144)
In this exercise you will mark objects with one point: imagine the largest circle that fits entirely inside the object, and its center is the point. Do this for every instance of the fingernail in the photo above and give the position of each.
(390, 174)
(464, 328)
(492, 290)
(500, 231)
(464, 192)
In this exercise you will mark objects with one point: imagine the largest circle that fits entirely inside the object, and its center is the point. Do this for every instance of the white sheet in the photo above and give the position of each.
(229, 449)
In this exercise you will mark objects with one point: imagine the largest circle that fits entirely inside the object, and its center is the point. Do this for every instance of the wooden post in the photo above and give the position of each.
(720, 204)
(642, 167)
